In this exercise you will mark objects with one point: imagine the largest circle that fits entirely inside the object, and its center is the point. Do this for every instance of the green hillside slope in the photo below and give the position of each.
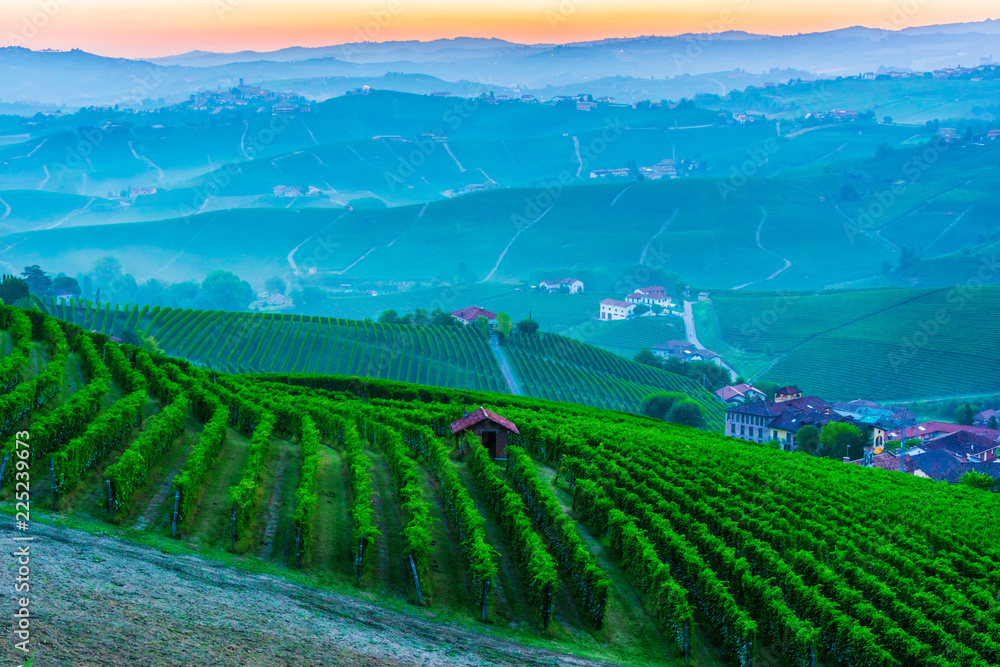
(604, 534)
(875, 344)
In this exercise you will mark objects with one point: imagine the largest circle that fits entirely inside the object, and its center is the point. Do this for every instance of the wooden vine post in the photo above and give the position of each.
(687, 642)
(486, 597)
(52, 482)
(173, 523)
(111, 502)
(548, 604)
(233, 539)
(416, 581)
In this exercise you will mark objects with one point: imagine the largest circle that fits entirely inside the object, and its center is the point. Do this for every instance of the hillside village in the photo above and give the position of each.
(889, 438)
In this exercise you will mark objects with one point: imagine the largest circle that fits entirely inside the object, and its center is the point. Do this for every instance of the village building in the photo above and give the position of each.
(613, 309)
(738, 394)
(983, 418)
(681, 349)
(763, 421)
(492, 430)
(653, 295)
(930, 430)
(471, 314)
(572, 284)
(789, 393)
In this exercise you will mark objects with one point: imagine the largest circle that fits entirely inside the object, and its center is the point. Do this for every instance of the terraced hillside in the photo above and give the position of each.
(876, 344)
(605, 534)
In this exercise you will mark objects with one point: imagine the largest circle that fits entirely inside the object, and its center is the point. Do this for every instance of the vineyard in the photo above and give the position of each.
(261, 342)
(604, 533)
(876, 344)
(562, 369)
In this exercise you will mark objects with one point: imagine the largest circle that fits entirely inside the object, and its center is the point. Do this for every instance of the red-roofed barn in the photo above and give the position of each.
(492, 429)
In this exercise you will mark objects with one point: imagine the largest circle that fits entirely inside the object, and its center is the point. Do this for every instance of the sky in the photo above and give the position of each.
(150, 28)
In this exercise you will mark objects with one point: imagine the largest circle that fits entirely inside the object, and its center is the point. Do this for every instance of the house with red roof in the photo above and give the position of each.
(470, 314)
(492, 430)
(654, 295)
(738, 394)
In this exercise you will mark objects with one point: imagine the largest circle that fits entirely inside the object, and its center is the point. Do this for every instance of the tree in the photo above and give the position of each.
(482, 326)
(223, 290)
(421, 318)
(564, 289)
(659, 405)
(12, 289)
(440, 318)
(527, 327)
(67, 284)
(275, 284)
(977, 480)
(965, 415)
(887, 120)
(839, 439)
(686, 413)
(992, 423)
(807, 440)
(882, 150)
(106, 269)
(656, 308)
(151, 345)
(131, 337)
(504, 324)
(640, 310)
(389, 316)
(645, 356)
(39, 282)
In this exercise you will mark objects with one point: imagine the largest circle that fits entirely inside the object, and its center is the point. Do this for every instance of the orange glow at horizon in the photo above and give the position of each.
(127, 28)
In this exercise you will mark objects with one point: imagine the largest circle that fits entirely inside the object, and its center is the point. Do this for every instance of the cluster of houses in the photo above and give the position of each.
(937, 450)
(685, 351)
(257, 99)
(571, 285)
(654, 299)
(666, 168)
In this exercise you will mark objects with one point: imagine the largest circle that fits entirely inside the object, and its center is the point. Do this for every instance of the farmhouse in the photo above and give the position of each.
(470, 314)
(572, 284)
(983, 418)
(738, 394)
(681, 349)
(613, 309)
(492, 430)
(650, 296)
(789, 393)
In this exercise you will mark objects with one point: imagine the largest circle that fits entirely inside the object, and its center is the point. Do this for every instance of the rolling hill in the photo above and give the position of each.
(874, 344)
(607, 535)
(550, 367)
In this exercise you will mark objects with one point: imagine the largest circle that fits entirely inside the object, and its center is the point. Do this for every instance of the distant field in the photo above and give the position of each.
(626, 337)
(878, 344)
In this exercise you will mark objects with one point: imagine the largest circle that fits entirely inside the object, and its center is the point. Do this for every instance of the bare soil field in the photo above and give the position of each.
(101, 600)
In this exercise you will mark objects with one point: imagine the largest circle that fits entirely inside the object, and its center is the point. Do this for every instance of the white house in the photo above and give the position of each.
(653, 295)
(572, 284)
(613, 309)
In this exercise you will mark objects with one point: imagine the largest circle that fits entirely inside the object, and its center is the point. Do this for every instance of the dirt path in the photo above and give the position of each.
(509, 376)
(101, 600)
(663, 228)
(619, 195)
(516, 234)
(274, 503)
(788, 263)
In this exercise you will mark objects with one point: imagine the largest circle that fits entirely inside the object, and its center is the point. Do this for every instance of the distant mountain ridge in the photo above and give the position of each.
(76, 78)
